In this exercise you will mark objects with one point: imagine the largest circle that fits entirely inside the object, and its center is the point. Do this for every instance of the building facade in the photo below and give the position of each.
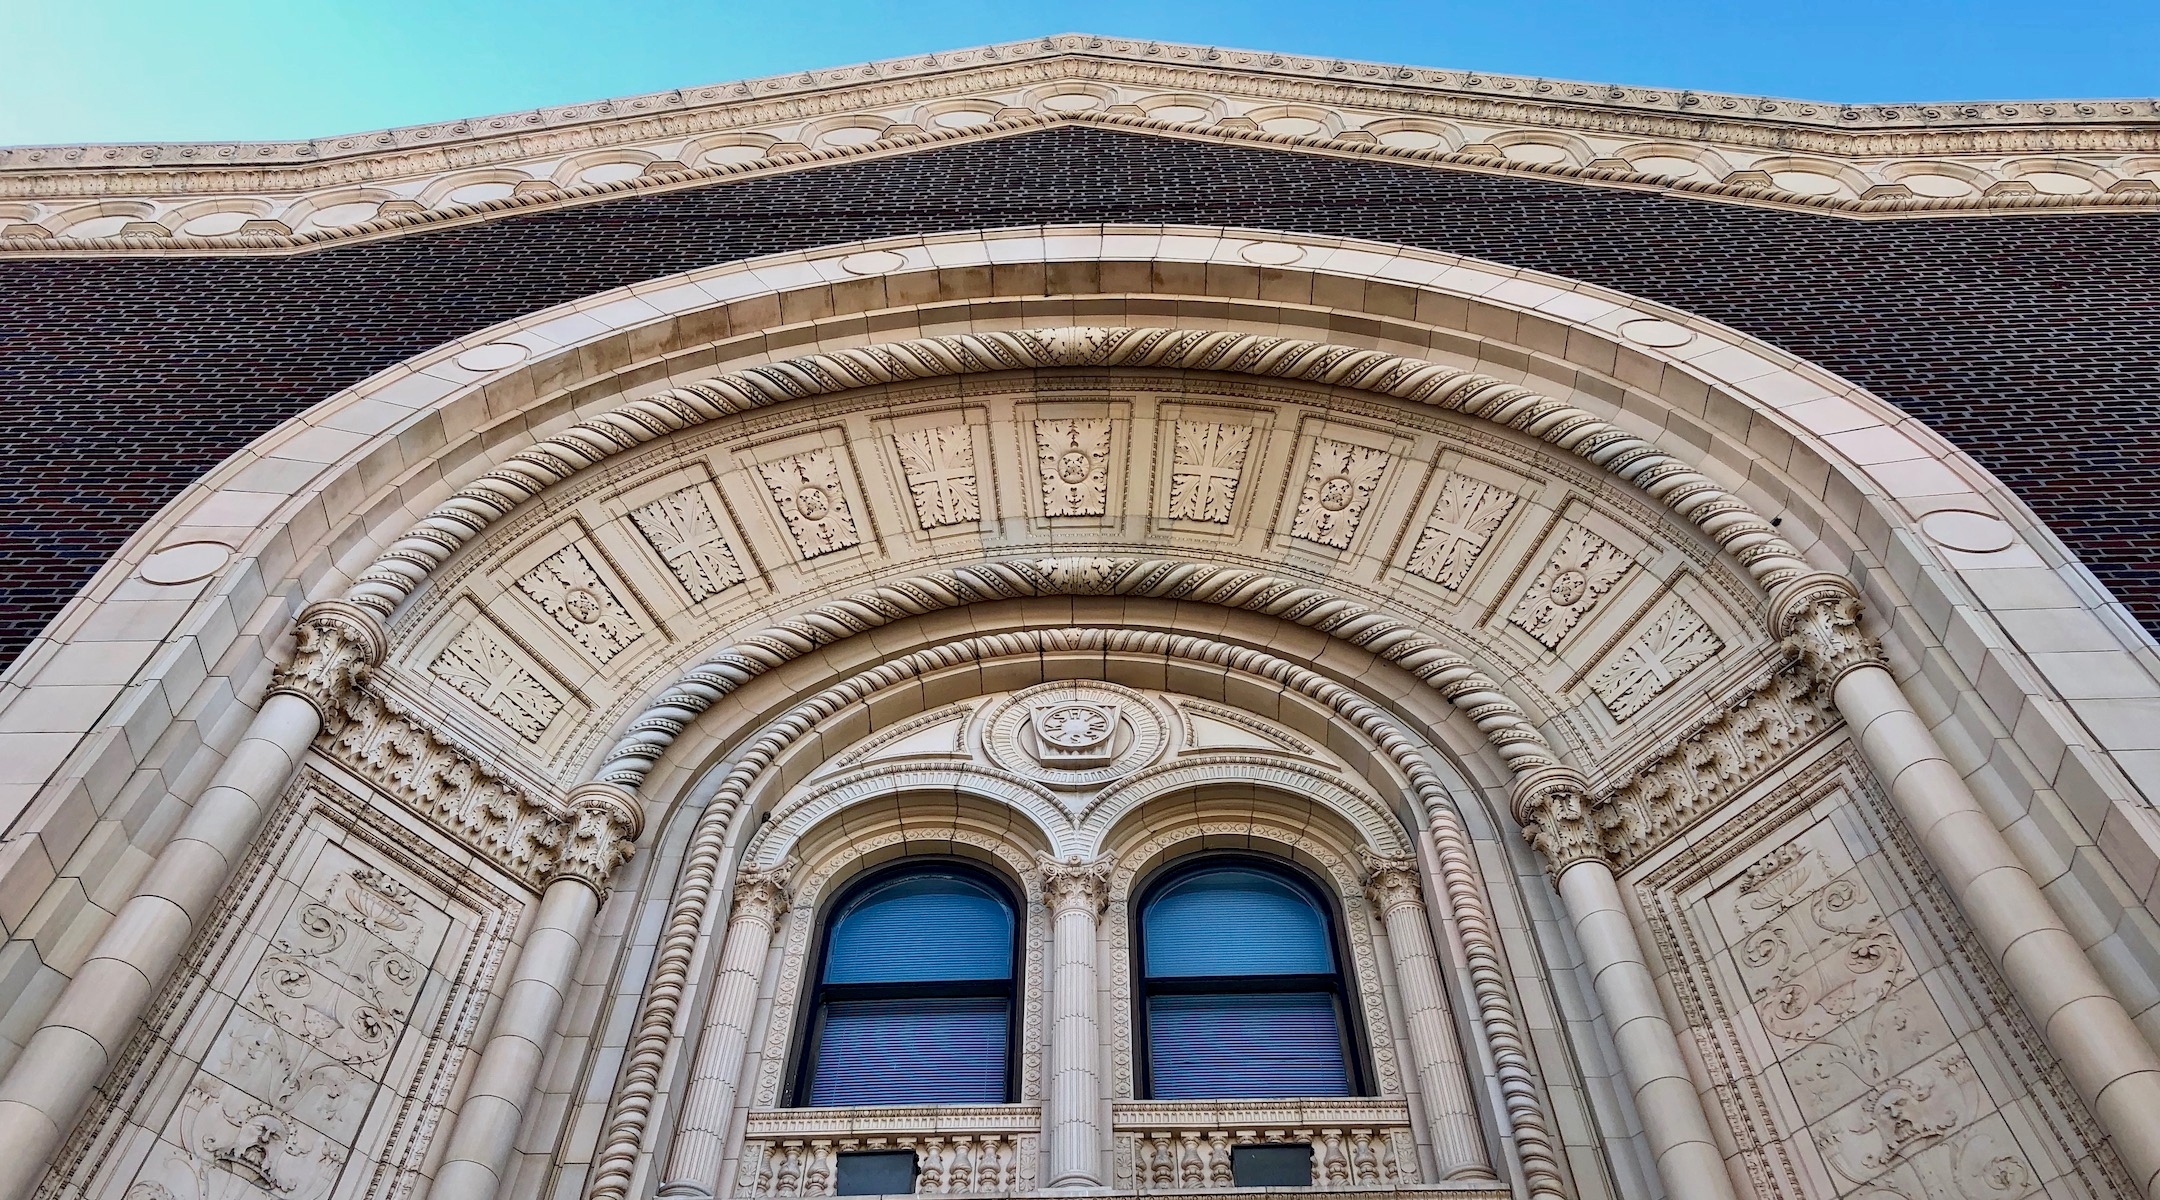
(1093, 618)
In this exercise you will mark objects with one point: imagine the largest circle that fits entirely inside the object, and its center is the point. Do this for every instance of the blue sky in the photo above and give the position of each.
(138, 70)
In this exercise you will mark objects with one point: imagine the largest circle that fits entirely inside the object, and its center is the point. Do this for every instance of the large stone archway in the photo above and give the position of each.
(565, 571)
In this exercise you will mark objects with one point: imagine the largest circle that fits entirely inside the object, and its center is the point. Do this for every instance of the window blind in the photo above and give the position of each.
(917, 1051)
(1251, 1046)
(921, 928)
(1235, 922)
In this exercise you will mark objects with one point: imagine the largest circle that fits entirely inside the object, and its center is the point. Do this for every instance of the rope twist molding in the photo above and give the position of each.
(1722, 517)
(630, 1113)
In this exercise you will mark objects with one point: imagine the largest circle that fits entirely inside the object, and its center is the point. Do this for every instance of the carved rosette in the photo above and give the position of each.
(762, 895)
(1390, 882)
(1558, 816)
(599, 835)
(1817, 618)
(337, 644)
(1075, 884)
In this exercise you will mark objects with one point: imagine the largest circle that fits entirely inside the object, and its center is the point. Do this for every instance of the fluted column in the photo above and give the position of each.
(1553, 806)
(1450, 1113)
(2110, 1062)
(67, 1056)
(1076, 893)
(604, 825)
(708, 1103)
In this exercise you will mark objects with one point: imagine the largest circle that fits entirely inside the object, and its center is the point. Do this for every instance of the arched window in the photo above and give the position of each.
(914, 997)
(1242, 991)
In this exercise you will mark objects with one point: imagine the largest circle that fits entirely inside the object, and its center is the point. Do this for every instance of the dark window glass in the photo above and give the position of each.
(1242, 989)
(1271, 1166)
(881, 1173)
(1233, 921)
(914, 998)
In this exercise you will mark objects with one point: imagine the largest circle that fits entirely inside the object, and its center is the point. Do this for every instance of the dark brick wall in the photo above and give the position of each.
(2031, 342)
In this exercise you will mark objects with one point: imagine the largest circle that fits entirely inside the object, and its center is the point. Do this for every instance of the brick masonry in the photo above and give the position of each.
(2033, 343)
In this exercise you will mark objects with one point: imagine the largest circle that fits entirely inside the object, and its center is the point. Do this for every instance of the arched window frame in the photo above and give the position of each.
(1356, 1058)
(807, 1031)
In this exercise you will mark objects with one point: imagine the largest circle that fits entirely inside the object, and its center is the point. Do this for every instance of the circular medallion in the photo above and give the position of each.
(1969, 531)
(1335, 493)
(1073, 467)
(1568, 587)
(1271, 254)
(185, 562)
(1074, 734)
(1647, 331)
(583, 606)
(492, 357)
(872, 262)
(812, 503)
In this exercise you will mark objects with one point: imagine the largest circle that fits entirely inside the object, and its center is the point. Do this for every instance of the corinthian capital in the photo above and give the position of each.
(597, 836)
(1389, 882)
(1075, 884)
(337, 644)
(1557, 813)
(763, 894)
(1818, 619)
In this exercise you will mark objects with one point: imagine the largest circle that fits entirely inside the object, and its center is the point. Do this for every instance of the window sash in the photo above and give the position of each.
(811, 1034)
(1334, 985)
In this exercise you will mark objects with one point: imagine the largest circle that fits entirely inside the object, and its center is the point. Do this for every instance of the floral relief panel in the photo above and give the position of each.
(1859, 1045)
(307, 1044)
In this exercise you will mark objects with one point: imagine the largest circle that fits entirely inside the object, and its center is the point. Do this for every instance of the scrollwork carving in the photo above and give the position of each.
(1206, 460)
(569, 590)
(1340, 480)
(1581, 570)
(1722, 517)
(1074, 459)
(940, 468)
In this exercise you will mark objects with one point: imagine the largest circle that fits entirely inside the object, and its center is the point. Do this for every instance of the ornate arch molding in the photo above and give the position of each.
(794, 820)
(628, 1122)
(1375, 825)
(1723, 518)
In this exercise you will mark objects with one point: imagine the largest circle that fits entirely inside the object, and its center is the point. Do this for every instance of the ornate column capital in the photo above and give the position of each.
(764, 894)
(338, 643)
(1073, 884)
(1390, 882)
(1817, 619)
(597, 836)
(1557, 814)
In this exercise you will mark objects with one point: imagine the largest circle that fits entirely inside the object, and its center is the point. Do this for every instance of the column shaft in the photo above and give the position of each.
(1672, 1112)
(1436, 1053)
(709, 1102)
(486, 1130)
(1075, 893)
(2112, 1064)
(67, 1057)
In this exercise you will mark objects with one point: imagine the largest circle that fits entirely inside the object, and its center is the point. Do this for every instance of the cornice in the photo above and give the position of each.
(1345, 75)
(279, 197)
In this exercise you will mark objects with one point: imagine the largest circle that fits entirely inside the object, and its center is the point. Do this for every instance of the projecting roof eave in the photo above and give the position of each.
(1861, 161)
